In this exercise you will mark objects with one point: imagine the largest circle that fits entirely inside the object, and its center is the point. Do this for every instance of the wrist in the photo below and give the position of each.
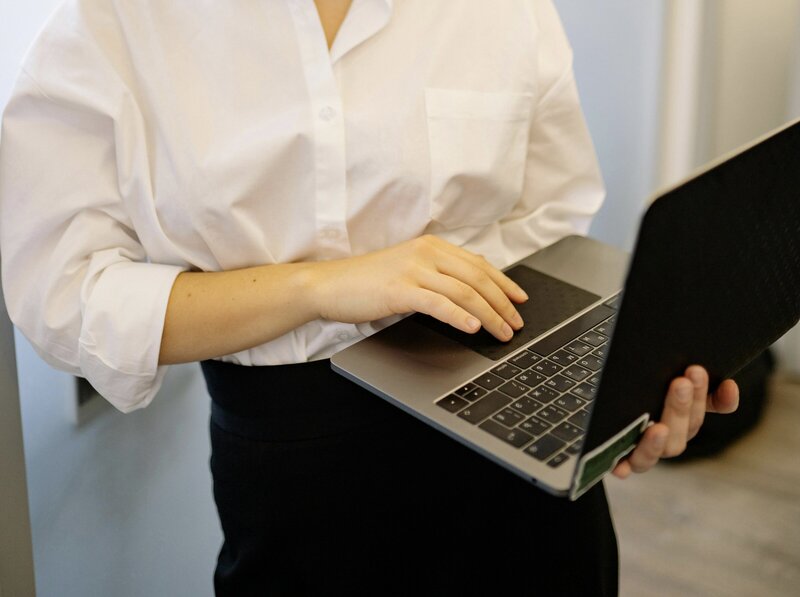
(309, 289)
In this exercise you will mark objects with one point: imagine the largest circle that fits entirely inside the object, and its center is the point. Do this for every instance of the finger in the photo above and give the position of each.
(482, 283)
(441, 308)
(697, 413)
(651, 447)
(676, 413)
(510, 288)
(622, 470)
(725, 399)
(469, 300)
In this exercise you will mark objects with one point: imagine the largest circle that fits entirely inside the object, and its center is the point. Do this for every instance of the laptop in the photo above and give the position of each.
(714, 279)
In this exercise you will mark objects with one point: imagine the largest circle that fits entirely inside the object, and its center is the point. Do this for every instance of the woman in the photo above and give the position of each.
(257, 185)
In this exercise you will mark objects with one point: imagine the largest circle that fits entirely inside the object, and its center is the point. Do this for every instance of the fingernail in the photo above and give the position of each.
(516, 320)
(473, 323)
(660, 441)
(684, 392)
(523, 293)
(506, 331)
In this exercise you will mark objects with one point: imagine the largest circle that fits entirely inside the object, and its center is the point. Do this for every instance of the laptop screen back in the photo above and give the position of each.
(714, 280)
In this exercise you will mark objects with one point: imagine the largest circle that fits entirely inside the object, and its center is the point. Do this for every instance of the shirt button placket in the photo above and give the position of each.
(330, 165)
(332, 185)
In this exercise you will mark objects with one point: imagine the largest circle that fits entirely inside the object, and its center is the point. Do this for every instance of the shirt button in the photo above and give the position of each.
(343, 336)
(327, 113)
(331, 234)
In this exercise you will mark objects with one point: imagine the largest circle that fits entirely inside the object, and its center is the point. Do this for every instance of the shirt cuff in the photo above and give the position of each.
(120, 339)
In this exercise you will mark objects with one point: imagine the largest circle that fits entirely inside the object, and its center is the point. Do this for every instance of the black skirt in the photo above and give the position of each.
(324, 489)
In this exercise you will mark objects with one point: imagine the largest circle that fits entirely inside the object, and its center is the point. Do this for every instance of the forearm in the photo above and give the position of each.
(210, 314)
(213, 314)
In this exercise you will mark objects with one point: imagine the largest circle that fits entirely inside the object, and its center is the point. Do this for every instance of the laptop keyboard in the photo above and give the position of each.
(539, 399)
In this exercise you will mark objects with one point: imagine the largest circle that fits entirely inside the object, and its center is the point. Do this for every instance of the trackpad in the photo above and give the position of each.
(551, 302)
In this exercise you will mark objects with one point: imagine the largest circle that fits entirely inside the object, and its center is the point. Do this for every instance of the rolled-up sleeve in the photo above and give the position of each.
(563, 185)
(77, 279)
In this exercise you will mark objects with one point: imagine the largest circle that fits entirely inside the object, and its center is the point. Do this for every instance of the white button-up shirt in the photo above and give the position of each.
(148, 138)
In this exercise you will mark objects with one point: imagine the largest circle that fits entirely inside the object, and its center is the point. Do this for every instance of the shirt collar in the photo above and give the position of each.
(364, 19)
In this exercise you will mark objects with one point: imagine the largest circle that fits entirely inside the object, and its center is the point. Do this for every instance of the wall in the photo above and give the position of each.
(794, 93)
(122, 505)
(618, 58)
(753, 64)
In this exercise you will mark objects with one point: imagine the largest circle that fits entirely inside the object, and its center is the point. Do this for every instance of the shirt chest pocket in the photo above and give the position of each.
(478, 147)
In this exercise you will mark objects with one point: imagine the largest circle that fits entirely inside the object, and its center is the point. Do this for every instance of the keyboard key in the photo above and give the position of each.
(546, 368)
(530, 378)
(544, 447)
(452, 403)
(543, 394)
(527, 406)
(579, 348)
(478, 392)
(525, 359)
(569, 402)
(576, 373)
(594, 379)
(572, 330)
(575, 448)
(489, 381)
(559, 383)
(604, 329)
(585, 391)
(614, 301)
(557, 460)
(591, 362)
(466, 389)
(593, 338)
(567, 431)
(552, 414)
(534, 426)
(486, 406)
(506, 371)
(600, 352)
(508, 417)
(515, 437)
(580, 419)
(513, 388)
(563, 358)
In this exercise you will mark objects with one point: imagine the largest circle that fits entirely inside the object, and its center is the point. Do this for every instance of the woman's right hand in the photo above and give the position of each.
(426, 275)
(210, 314)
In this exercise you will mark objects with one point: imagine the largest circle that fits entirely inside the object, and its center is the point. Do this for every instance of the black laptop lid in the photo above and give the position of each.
(714, 280)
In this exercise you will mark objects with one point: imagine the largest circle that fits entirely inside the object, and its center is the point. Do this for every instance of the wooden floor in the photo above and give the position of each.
(728, 526)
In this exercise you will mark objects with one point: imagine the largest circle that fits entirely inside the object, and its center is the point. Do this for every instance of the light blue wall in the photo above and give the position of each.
(618, 57)
(122, 505)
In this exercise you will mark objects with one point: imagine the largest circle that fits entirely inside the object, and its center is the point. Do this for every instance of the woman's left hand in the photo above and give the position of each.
(686, 405)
